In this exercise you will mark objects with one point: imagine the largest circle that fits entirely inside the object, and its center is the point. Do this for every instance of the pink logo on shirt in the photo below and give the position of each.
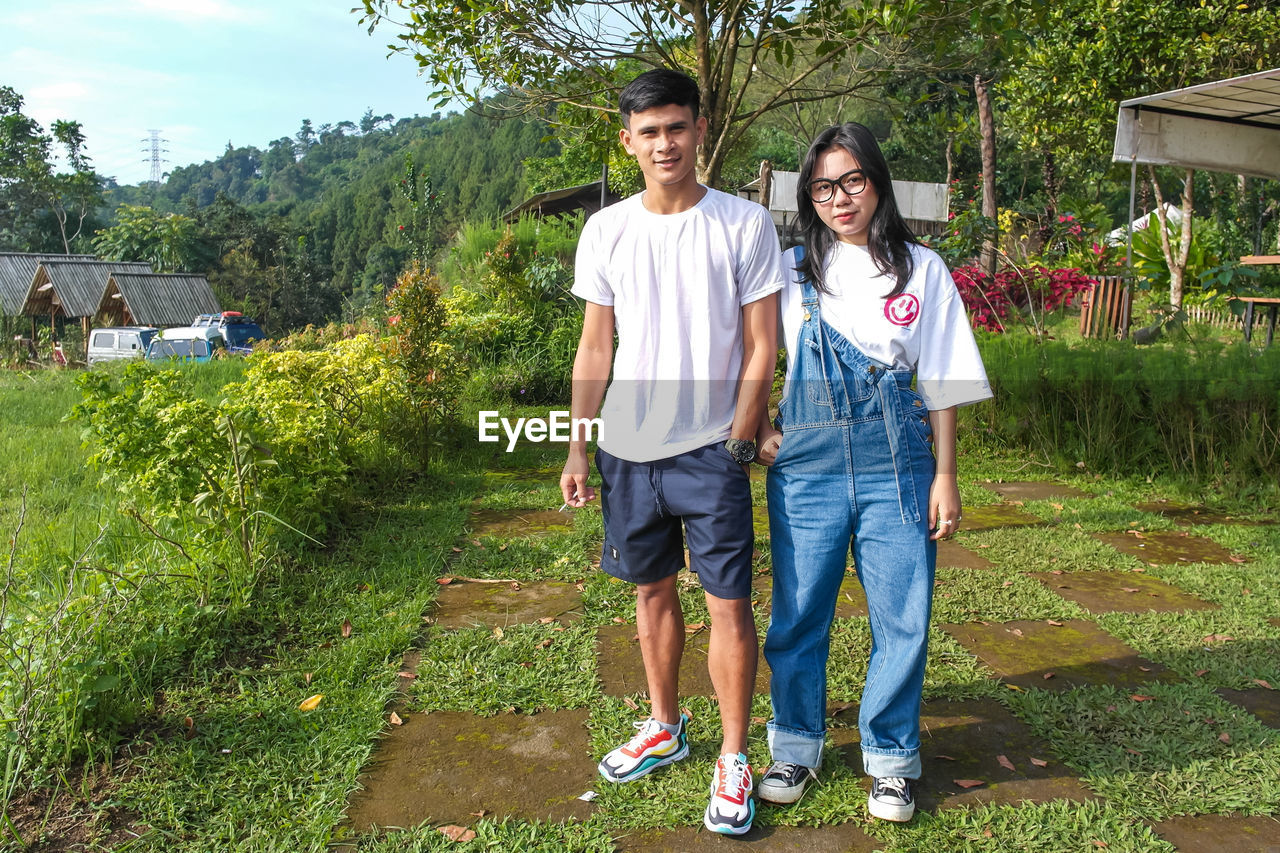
(902, 310)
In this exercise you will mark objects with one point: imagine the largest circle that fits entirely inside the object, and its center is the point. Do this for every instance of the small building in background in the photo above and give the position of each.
(584, 197)
(155, 299)
(16, 271)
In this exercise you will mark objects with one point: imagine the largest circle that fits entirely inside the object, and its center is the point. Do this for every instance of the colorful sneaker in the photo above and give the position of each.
(785, 782)
(651, 748)
(731, 808)
(891, 799)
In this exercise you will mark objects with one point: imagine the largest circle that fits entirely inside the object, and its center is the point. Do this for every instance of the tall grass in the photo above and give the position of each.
(1209, 412)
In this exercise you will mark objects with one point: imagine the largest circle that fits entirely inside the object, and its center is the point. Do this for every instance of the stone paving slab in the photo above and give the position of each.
(1216, 833)
(499, 605)
(1127, 592)
(1167, 546)
(444, 767)
(1056, 657)
(965, 740)
(767, 839)
(1035, 491)
(954, 556)
(621, 667)
(1259, 701)
(996, 515)
(517, 523)
(1190, 514)
(851, 601)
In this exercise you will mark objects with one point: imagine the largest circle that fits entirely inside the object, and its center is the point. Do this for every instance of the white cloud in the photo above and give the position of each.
(187, 9)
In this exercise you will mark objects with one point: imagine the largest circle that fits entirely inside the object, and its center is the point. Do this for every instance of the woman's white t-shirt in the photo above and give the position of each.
(924, 328)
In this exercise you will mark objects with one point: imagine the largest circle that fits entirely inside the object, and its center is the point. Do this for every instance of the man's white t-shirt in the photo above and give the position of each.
(677, 283)
(924, 328)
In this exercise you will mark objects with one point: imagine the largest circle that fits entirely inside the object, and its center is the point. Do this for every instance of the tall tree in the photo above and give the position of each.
(31, 188)
(750, 57)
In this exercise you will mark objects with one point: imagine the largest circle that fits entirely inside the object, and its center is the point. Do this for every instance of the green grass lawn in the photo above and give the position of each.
(223, 758)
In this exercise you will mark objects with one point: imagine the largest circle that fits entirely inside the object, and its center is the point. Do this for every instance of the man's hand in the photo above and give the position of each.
(768, 443)
(573, 480)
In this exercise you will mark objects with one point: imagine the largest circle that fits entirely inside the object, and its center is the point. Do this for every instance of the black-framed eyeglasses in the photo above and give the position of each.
(852, 182)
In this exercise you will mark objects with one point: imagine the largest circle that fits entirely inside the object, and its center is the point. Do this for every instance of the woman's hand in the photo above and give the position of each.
(944, 506)
(768, 443)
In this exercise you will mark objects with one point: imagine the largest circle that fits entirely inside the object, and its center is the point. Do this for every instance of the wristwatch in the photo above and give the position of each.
(743, 450)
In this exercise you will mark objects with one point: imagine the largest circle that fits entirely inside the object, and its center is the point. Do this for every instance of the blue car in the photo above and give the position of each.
(237, 330)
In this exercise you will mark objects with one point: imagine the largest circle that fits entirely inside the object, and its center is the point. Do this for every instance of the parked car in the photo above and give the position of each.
(238, 330)
(188, 343)
(117, 342)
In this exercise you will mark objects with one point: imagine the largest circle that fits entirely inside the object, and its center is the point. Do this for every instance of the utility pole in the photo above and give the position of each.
(155, 149)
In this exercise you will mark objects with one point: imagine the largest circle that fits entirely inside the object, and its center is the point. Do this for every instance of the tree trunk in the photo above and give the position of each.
(766, 183)
(947, 152)
(987, 130)
(1175, 260)
(1050, 173)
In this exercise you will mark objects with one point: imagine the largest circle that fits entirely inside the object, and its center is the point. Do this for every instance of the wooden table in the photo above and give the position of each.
(1272, 304)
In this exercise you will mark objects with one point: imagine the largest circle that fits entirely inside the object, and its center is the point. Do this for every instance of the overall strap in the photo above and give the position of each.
(809, 296)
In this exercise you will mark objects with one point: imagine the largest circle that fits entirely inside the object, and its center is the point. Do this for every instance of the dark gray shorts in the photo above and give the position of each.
(645, 503)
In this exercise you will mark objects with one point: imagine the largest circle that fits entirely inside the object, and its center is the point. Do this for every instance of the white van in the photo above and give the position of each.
(117, 342)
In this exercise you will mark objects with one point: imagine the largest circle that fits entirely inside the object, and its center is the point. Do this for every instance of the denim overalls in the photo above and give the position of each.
(855, 466)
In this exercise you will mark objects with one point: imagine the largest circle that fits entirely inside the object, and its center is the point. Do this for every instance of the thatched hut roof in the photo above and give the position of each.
(156, 299)
(73, 288)
(16, 271)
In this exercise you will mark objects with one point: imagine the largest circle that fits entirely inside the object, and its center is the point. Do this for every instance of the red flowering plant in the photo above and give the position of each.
(1079, 240)
(1017, 295)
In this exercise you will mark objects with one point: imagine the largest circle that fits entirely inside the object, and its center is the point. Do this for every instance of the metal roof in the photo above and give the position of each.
(73, 288)
(1252, 100)
(16, 271)
(1226, 126)
(157, 299)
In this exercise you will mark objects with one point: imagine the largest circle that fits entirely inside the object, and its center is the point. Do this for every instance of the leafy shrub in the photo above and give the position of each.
(994, 303)
(425, 360)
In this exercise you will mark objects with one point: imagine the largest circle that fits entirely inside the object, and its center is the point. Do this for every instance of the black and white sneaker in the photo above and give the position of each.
(891, 799)
(785, 782)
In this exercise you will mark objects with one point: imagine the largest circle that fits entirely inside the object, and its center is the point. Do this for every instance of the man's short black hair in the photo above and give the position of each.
(658, 88)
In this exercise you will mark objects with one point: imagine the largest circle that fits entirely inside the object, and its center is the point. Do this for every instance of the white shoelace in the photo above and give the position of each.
(897, 783)
(734, 781)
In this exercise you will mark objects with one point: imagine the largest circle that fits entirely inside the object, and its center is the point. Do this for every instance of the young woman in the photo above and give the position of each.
(860, 459)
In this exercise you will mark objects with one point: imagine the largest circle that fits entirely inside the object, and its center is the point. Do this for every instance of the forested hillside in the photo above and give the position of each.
(330, 205)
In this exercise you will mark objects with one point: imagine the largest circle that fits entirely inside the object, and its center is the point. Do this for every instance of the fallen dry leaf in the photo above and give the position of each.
(945, 757)
(346, 628)
(306, 677)
(190, 726)
(444, 581)
(1132, 751)
(630, 703)
(404, 673)
(618, 620)
(476, 542)
(1007, 583)
(1263, 683)
(395, 720)
(969, 783)
(1145, 668)
(1014, 687)
(695, 628)
(499, 633)
(1200, 672)
(453, 832)
(1138, 697)
(457, 550)
(1055, 623)
(545, 643)
(311, 703)
(758, 721)
(1129, 589)
(546, 620)
(1097, 843)
(1004, 762)
(1039, 762)
(1048, 675)
(1017, 632)
(1217, 638)
(1224, 737)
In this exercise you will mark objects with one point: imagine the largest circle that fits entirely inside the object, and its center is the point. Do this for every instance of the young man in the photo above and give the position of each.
(688, 277)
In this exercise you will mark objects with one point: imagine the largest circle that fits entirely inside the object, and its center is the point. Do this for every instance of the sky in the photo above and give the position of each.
(202, 72)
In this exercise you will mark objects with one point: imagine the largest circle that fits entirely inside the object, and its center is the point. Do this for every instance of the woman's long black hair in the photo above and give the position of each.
(889, 238)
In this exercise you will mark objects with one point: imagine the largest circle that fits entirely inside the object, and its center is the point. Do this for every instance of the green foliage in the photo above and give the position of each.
(171, 242)
(425, 359)
(1206, 411)
(41, 208)
(510, 311)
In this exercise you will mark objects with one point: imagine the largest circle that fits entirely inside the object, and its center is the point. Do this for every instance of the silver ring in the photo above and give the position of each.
(947, 521)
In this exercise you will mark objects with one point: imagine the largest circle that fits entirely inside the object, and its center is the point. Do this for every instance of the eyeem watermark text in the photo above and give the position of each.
(557, 426)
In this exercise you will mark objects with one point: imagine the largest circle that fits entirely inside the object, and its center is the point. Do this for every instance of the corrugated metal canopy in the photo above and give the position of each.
(16, 271)
(73, 288)
(157, 299)
(1225, 126)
